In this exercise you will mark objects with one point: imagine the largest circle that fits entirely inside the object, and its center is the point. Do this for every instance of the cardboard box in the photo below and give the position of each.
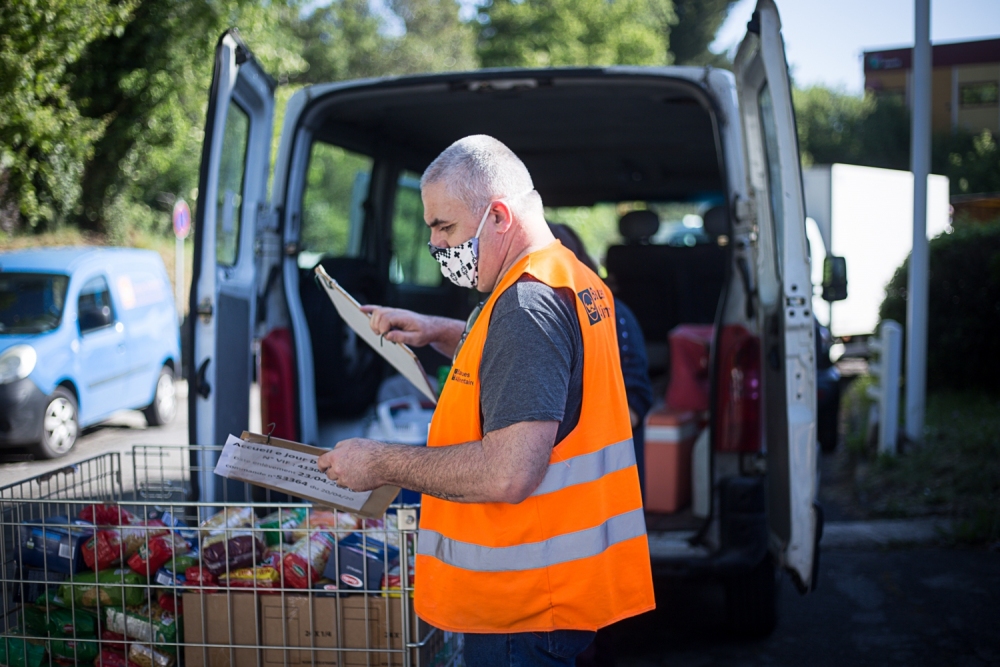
(358, 557)
(345, 631)
(219, 618)
(670, 436)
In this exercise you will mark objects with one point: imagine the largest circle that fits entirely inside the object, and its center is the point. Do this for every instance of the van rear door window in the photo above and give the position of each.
(229, 201)
(770, 131)
(411, 263)
(333, 203)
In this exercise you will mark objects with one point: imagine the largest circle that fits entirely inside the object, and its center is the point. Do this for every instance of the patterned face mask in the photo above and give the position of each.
(460, 264)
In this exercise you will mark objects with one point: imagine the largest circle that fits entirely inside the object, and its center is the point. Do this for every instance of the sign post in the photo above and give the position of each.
(182, 226)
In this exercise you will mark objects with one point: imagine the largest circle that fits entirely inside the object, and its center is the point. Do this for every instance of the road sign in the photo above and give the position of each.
(182, 219)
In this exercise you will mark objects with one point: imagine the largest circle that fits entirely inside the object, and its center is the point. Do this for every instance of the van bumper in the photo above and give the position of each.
(743, 534)
(22, 405)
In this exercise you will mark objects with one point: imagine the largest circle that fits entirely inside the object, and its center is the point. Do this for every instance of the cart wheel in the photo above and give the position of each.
(60, 425)
(164, 406)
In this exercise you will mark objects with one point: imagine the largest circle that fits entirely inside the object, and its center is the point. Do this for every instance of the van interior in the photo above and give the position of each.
(632, 164)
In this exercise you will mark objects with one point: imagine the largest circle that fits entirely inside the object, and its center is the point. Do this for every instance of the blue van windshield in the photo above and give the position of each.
(31, 302)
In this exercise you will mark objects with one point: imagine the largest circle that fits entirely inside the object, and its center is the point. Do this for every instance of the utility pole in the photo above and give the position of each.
(920, 158)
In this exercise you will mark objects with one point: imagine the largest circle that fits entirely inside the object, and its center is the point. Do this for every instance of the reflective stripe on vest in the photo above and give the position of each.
(560, 549)
(587, 467)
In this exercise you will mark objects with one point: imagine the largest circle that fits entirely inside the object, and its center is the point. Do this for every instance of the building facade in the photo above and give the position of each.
(965, 82)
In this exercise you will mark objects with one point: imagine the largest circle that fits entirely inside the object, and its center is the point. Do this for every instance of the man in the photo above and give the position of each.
(532, 534)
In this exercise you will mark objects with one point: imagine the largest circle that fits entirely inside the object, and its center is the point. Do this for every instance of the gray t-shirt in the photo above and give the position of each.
(532, 364)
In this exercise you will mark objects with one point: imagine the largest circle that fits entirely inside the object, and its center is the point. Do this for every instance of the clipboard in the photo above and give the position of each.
(400, 356)
(373, 508)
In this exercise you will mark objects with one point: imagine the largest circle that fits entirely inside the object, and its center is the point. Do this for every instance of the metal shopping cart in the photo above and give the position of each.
(110, 562)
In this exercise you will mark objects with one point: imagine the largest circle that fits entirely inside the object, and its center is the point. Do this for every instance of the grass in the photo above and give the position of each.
(955, 472)
(165, 246)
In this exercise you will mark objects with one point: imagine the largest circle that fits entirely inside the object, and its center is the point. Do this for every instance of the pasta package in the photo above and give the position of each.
(145, 656)
(148, 623)
(109, 587)
(252, 577)
(111, 546)
(160, 549)
(199, 577)
(80, 650)
(228, 518)
(278, 526)
(108, 515)
(323, 519)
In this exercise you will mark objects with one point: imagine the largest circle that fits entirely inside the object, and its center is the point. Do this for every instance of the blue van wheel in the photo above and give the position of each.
(164, 406)
(60, 425)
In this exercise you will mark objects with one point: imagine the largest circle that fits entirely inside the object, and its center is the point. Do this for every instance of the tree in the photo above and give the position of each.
(543, 33)
(971, 161)
(44, 139)
(694, 28)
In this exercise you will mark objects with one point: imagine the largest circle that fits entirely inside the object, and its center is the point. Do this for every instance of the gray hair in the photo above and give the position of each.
(477, 170)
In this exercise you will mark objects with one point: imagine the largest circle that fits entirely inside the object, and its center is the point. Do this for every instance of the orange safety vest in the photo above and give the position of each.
(573, 555)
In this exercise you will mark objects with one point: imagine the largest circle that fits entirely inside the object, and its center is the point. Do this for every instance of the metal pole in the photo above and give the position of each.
(179, 277)
(920, 154)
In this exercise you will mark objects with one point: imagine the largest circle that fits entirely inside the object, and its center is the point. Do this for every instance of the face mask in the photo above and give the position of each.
(460, 264)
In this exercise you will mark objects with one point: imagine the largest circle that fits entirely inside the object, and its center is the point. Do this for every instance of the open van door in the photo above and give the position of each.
(775, 183)
(231, 195)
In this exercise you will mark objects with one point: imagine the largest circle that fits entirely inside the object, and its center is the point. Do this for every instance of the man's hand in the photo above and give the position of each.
(352, 464)
(414, 329)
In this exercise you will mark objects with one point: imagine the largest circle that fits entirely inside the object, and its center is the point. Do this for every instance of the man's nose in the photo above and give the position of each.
(438, 239)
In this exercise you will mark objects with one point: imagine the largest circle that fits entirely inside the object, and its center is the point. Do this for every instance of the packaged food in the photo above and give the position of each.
(220, 554)
(200, 577)
(277, 527)
(171, 601)
(252, 577)
(148, 623)
(54, 544)
(114, 641)
(165, 577)
(108, 658)
(304, 562)
(144, 656)
(108, 515)
(228, 518)
(45, 617)
(152, 556)
(18, 652)
(110, 587)
(181, 562)
(80, 650)
(111, 546)
(323, 519)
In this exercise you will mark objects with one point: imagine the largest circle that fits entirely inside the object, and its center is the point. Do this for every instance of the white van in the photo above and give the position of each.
(342, 195)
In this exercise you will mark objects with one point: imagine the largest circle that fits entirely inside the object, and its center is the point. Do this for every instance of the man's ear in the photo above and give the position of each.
(504, 217)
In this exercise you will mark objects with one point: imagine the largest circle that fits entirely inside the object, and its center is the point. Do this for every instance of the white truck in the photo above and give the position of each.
(864, 215)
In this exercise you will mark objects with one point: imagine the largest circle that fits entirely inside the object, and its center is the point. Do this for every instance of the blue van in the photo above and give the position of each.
(84, 332)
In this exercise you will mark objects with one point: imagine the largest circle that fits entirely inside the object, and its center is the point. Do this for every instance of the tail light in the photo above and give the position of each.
(739, 391)
(277, 383)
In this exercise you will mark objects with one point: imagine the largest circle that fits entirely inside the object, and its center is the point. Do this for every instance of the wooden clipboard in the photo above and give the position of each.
(400, 356)
(373, 508)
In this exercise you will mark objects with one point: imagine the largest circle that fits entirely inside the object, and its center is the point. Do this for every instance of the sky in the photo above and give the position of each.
(824, 39)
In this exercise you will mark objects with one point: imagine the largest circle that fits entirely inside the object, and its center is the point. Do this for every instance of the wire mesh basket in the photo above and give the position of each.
(114, 562)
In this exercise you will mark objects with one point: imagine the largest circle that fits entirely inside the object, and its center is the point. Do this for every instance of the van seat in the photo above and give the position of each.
(347, 371)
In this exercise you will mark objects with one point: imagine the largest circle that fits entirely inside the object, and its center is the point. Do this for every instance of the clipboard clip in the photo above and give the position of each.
(272, 425)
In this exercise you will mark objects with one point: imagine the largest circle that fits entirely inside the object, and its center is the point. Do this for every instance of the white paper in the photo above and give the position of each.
(285, 469)
(400, 356)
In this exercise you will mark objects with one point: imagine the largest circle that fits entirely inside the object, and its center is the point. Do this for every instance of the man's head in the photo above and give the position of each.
(479, 180)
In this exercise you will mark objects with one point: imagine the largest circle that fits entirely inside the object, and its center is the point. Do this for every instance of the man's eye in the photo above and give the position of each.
(446, 229)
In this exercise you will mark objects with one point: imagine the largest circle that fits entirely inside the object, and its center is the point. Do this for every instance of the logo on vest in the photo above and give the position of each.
(459, 375)
(594, 304)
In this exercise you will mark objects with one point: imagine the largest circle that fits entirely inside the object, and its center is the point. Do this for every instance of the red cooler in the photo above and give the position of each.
(690, 345)
(670, 437)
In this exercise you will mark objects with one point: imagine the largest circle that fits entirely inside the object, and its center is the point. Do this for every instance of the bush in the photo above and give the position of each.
(963, 308)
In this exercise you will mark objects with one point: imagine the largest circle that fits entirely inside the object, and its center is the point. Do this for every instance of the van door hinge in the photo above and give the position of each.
(267, 218)
(205, 310)
(743, 209)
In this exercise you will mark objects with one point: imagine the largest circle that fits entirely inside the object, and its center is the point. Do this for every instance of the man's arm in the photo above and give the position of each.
(416, 330)
(506, 466)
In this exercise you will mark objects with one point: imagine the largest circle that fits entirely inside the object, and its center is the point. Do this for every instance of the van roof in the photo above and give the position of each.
(68, 259)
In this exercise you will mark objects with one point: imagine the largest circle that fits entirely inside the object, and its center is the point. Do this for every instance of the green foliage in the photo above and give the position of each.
(329, 193)
(837, 127)
(971, 161)
(44, 139)
(963, 308)
(693, 30)
(544, 33)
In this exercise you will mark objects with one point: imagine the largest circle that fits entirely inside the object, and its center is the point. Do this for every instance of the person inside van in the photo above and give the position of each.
(531, 494)
(631, 350)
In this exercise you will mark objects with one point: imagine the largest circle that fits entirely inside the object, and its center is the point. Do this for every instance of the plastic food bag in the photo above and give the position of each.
(81, 650)
(45, 617)
(113, 545)
(220, 554)
(16, 652)
(252, 577)
(114, 641)
(277, 527)
(160, 549)
(110, 587)
(199, 577)
(108, 515)
(323, 519)
(228, 518)
(304, 562)
(109, 658)
(148, 623)
(144, 656)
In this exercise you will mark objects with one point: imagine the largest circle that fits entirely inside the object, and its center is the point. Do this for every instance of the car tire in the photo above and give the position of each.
(60, 425)
(752, 601)
(164, 406)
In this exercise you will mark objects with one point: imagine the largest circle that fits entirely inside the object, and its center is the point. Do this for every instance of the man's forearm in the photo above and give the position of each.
(447, 333)
(459, 473)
